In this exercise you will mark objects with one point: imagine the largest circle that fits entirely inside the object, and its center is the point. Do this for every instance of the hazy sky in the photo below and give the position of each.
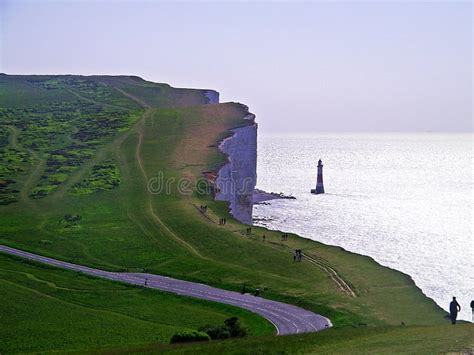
(301, 67)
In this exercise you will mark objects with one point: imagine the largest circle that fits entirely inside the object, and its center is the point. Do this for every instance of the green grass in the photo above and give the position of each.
(44, 308)
(379, 340)
(129, 228)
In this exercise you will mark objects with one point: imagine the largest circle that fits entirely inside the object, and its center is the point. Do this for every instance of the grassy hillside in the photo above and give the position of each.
(91, 154)
(377, 340)
(44, 308)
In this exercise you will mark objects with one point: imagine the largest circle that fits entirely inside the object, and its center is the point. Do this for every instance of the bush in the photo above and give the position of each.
(216, 332)
(72, 218)
(188, 337)
(235, 328)
(230, 329)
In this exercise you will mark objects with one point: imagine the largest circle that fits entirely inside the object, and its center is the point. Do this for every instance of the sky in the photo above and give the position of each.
(302, 67)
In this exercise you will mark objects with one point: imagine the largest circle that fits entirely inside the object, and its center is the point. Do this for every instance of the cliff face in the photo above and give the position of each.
(237, 178)
(212, 96)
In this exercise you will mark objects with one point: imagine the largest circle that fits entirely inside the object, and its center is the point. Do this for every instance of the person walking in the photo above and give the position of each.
(263, 237)
(454, 308)
(146, 282)
(472, 309)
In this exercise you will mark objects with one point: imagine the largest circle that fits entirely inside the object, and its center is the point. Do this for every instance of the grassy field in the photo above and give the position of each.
(44, 308)
(164, 135)
(377, 340)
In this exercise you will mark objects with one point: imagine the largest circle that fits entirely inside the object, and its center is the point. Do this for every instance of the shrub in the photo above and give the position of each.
(7, 199)
(188, 337)
(72, 218)
(230, 329)
(234, 327)
(216, 331)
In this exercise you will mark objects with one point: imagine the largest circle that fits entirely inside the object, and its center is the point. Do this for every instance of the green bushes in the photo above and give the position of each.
(103, 177)
(189, 337)
(13, 163)
(235, 329)
(7, 199)
(71, 220)
(7, 192)
(216, 331)
(65, 133)
(230, 329)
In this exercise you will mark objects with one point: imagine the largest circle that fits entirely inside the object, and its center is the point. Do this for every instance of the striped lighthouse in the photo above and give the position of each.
(319, 185)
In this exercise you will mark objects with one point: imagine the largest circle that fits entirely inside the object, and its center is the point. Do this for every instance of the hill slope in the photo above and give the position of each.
(82, 160)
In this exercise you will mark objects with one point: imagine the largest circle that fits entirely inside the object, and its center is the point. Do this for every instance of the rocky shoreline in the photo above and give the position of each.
(260, 196)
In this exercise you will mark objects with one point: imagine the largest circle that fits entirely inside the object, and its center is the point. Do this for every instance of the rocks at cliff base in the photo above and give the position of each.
(260, 196)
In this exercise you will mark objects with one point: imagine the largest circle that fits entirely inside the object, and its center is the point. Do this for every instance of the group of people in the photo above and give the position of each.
(298, 255)
(455, 307)
(203, 208)
(249, 230)
(222, 221)
(284, 237)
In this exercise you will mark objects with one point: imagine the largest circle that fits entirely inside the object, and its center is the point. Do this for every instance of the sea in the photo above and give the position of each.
(406, 200)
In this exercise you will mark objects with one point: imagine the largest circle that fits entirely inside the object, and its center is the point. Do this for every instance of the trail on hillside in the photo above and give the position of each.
(140, 130)
(32, 178)
(343, 286)
(134, 98)
(13, 138)
(338, 280)
(150, 202)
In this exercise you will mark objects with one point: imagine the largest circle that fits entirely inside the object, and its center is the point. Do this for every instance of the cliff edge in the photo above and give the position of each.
(237, 178)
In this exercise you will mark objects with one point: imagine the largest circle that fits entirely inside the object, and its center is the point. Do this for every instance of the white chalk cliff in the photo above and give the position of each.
(212, 96)
(237, 178)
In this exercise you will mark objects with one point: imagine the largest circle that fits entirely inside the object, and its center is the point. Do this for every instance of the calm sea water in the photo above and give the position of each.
(404, 199)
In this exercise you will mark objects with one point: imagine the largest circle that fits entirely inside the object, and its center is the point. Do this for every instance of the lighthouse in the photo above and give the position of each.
(319, 185)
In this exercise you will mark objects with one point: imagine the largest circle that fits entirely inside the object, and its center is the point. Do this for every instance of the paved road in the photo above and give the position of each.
(287, 319)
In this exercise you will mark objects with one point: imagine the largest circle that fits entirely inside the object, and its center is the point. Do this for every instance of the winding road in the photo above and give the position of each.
(286, 318)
